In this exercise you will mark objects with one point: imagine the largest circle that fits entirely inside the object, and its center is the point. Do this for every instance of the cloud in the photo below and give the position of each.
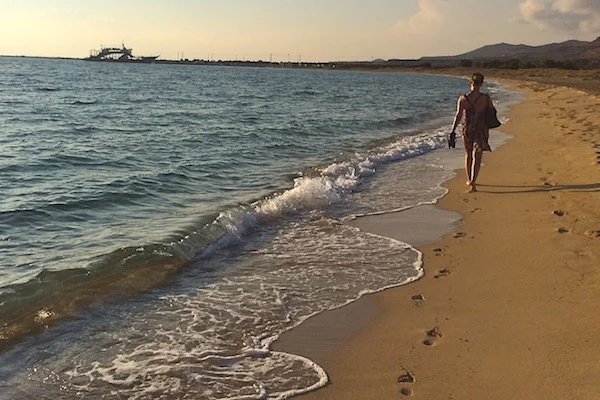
(565, 15)
(430, 14)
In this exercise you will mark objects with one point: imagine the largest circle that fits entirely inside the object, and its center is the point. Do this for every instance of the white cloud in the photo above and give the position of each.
(565, 15)
(430, 14)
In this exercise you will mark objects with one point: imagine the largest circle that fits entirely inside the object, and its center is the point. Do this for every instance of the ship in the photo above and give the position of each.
(118, 54)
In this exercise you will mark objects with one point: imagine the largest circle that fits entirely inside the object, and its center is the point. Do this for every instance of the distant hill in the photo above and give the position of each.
(569, 50)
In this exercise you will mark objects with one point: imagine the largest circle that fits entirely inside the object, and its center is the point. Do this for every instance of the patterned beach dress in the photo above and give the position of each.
(475, 132)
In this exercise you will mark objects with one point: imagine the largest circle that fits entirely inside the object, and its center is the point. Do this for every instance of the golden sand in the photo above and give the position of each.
(509, 307)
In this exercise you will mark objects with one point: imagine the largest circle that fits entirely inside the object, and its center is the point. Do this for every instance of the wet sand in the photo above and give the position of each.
(509, 307)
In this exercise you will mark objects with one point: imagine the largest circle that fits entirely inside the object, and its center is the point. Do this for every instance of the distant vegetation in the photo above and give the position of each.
(497, 63)
(530, 64)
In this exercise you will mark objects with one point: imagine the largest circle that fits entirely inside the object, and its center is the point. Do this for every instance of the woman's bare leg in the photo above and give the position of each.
(469, 166)
(476, 166)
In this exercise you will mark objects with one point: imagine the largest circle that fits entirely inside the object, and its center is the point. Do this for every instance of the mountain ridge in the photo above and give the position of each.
(567, 50)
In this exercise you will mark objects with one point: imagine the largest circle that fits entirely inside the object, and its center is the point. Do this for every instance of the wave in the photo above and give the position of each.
(48, 89)
(84, 102)
(86, 129)
(203, 307)
(22, 216)
(109, 197)
(62, 160)
(13, 102)
(54, 295)
(317, 188)
(306, 92)
(407, 121)
(397, 122)
(130, 270)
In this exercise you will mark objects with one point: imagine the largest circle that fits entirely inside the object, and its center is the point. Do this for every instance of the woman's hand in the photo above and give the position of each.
(451, 139)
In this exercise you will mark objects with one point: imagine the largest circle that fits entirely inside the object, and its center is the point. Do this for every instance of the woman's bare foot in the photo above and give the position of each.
(472, 188)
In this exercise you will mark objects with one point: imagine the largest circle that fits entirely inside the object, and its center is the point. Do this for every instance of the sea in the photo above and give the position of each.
(161, 225)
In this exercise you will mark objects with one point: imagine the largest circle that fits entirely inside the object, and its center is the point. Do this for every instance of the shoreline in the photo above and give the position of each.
(455, 341)
(420, 225)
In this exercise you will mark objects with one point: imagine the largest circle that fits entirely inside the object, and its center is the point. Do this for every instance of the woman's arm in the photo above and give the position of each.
(459, 113)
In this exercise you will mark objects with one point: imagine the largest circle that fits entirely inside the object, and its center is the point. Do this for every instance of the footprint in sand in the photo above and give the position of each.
(438, 252)
(558, 213)
(441, 273)
(408, 379)
(418, 299)
(460, 234)
(593, 233)
(562, 230)
(433, 336)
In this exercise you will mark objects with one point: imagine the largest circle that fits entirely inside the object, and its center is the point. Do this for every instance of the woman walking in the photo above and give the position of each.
(475, 132)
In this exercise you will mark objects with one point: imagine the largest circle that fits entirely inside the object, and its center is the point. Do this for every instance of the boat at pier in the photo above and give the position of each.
(118, 54)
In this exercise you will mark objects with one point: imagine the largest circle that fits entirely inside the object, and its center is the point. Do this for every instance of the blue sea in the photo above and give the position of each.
(161, 225)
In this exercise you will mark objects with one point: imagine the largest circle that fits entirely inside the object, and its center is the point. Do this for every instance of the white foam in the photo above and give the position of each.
(215, 342)
(333, 184)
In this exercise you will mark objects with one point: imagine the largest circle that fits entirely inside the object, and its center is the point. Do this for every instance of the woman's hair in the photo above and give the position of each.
(477, 79)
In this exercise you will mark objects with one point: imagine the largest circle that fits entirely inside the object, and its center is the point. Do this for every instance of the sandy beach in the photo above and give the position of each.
(509, 307)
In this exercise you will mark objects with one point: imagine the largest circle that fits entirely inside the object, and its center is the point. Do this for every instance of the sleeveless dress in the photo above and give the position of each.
(475, 132)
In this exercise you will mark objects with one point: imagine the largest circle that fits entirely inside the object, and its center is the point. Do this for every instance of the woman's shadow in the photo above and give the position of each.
(546, 187)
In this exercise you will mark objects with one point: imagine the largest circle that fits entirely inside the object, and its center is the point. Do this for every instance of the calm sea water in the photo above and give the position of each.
(160, 225)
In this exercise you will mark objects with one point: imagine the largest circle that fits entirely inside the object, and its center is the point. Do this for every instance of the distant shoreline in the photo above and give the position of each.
(583, 79)
(450, 66)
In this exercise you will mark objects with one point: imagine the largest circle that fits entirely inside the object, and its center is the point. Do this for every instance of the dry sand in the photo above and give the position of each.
(509, 307)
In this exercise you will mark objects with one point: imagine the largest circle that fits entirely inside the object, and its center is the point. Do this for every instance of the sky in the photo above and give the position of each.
(289, 30)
